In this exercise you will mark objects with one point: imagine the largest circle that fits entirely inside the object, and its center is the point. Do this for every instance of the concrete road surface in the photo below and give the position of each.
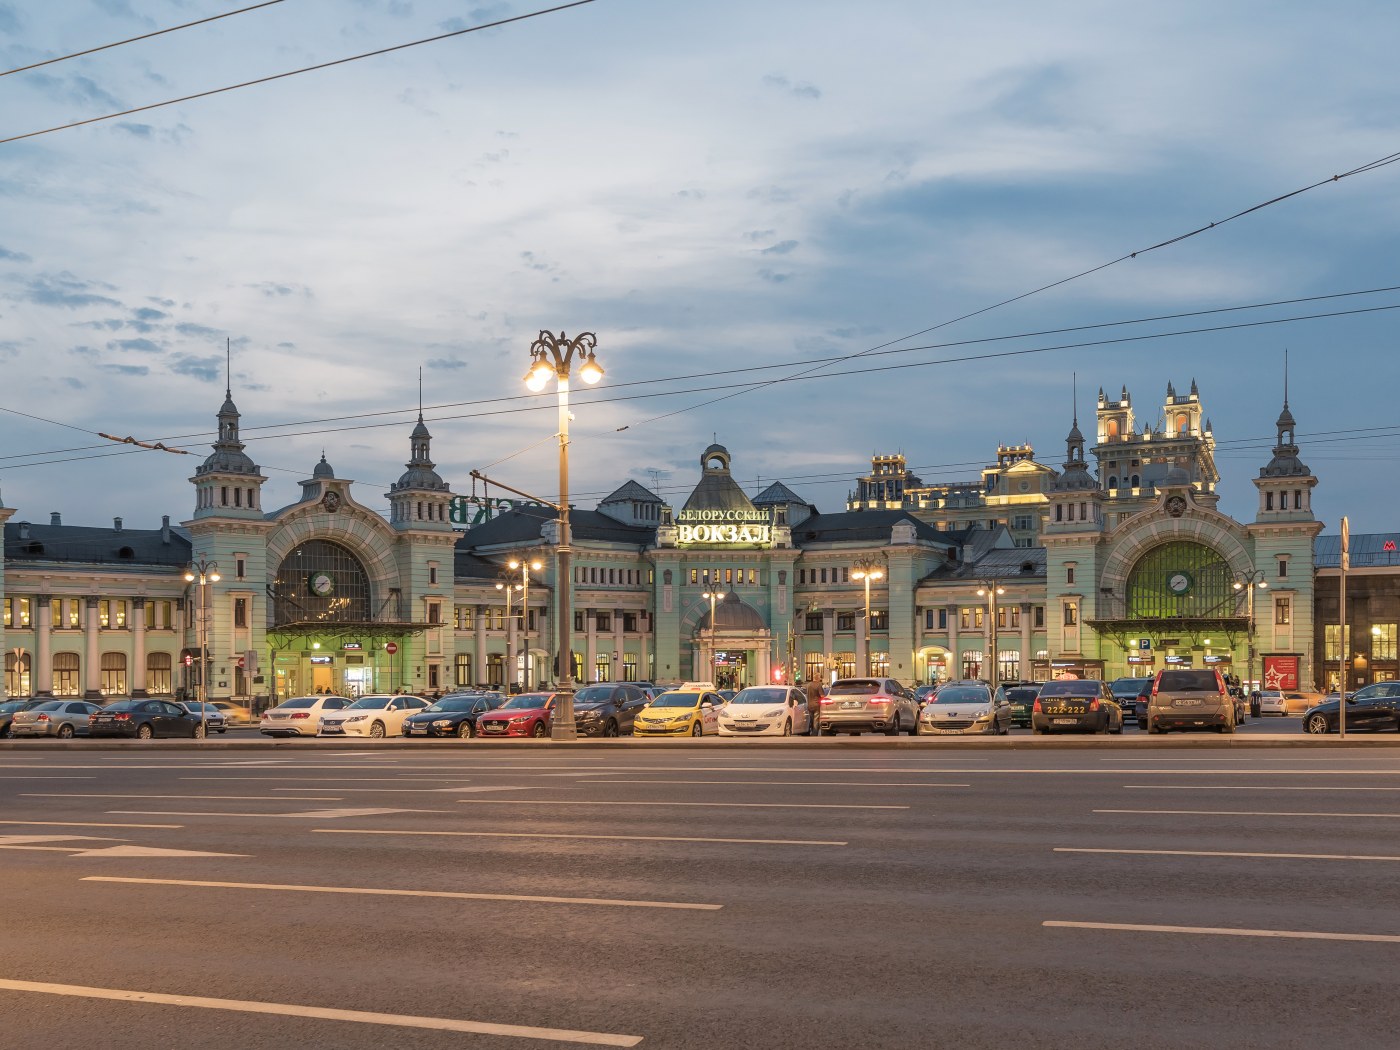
(727, 899)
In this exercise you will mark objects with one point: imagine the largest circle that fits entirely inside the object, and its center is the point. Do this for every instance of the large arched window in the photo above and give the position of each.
(1180, 579)
(65, 674)
(158, 674)
(113, 674)
(17, 674)
(321, 581)
(1112, 429)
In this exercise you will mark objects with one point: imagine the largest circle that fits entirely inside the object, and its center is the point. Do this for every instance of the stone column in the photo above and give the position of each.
(643, 671)
(479, 671)
(763, 672)
(138, 647)
(1026, 653)
(618, 645)
(93, 675)
(590, 621)
(41, 670)
(955, 658)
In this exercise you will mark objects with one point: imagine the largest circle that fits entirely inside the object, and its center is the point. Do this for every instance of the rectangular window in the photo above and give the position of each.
(432, 575)
(1071, 614)
(223, 496)
(814, 668)
(1298, 498)
(814, 621)
(801, 575)
(1269, 502)
(1383, 643)
(1282, 610)
(602, 669)
(158, 673)
(434, 612)
(65, 674)
(966, 619)
(879, 619)
(434, 676)
(604, 621)
(496, 669)
(1059, 512)
(104, 613)
(578, 622)
(845, 621)
(942, 619)
(928, 619)
(9, 616)
(1001, 616)
(240, 612)
(498, 620)
(845, 574)
(977, 617)
(464, 618)
(464, 669)
(1040, 616)
(629, 670)
(113, 674)
(629, 624)
(1015, 616)
(651, 576)
(823, 576)
(1331, 641)
(1283, 568)
(693, 574)
(1069, 574)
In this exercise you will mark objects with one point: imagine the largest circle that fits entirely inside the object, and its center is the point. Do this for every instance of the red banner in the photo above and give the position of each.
(1281, 672)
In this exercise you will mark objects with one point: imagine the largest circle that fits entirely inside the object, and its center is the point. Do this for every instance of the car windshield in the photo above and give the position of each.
(526, 701)
(760, 696)
(370, 703)
(1075, 687)
(856, 687)
(1188, 682)
(963, 694)
(459, 704)
(1022, 696)
(676, 700)
(301, 703)
(13, 705)
(1127, 686)
(194, 705)
(594, 694)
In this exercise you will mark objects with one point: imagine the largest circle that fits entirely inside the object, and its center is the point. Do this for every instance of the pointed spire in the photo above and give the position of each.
(1285, 378)
(228, 368)
(1194, 391)
(1171, 390)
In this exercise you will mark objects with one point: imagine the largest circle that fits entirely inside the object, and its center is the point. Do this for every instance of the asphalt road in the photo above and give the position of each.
(858, 899)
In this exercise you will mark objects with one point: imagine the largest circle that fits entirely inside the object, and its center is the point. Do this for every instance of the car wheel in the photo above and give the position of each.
(1229, 728)
(610, 729)
(893, 729)
(376, 731)
(144, 731)
(1316, 725)
(914, 728)
(1104, 730)
(223, 730)
(538, 731)
(199, 731)
(697, 730)
(465, 730)
(787, 728)
(65, 732)
(1119, 730)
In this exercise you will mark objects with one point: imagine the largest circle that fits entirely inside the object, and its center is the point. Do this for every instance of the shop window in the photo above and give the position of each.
(113, 674)
(1383, 643)
(602, 669)
(576, 663)
(879, 619)
(879, 665)
(604, 622)
(158, 674)
(814, 621)
(464, 669)
(1009, 665)
(17, 677)
(971, 665)
(65, 674)
(845, 621)
(629, 670)
(1331, 641)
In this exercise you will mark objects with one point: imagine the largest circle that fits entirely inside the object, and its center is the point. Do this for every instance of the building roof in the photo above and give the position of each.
(523, 524)
(76, 543)
(468, 566)
(996, 563)
(630, 492)
(777, 493)
(870, 526)
(733, 614)
(1366, 550)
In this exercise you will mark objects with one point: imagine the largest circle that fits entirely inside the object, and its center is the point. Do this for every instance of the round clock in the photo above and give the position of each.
(1179, 583)
(321, 584)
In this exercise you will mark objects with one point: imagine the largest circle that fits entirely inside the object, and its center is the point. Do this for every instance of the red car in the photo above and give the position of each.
(525, 715)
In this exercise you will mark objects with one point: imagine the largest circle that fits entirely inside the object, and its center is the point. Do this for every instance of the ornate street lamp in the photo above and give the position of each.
(991, 589)
(551, 355)
(1247, 581)
(205, 572)
(714, 596)
(509, 587)
(525, 563)
(867, 569)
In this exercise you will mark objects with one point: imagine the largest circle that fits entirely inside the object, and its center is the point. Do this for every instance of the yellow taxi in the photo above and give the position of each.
(691, 710)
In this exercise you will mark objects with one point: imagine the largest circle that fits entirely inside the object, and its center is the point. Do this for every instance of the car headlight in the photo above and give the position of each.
(982, 716)
(585, 716)
(521, 718)
(443, 722)
(357, 718)
(772, 714)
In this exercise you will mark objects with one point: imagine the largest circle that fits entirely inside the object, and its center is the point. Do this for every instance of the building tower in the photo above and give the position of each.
(1073, 552)
(419, 498)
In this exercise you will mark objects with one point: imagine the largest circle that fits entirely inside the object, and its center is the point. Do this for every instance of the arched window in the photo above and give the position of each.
(1113, 484)
(341, 586)
(114, 674)
(16, 675)
(1181, 580)
(971, 665)
(65, 674)
(1112, 429)
(1136, 482)
(1181, 422)
(158, 674)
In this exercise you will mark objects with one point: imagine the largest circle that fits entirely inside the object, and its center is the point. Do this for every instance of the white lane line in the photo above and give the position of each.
(48, 778)
(320, 814)
(1248, 787)
(1207, 853)
(543, 835)
(389, 791)
(240, 798)
(1241, 813)
(784, 783)
(725, 805)
(15, 840)
(288, 1010)
(376, 891)
(82, 824)
(1226, 932)
(151, 851)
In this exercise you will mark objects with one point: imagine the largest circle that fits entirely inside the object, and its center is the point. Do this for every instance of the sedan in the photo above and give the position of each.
(215, 721)
(375, 716)
(529, 714)
(299, 716)
(11, 707)
(774, 710)
(1082, 704)
(144, 719)
(452, 715)
(61, 718)
(1021, 698)
(681, 712)
(235, 714)
(1374, 707)
(1272, 702)
(964, 709)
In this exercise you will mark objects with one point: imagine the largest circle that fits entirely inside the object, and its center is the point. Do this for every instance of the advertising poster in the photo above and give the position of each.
(1280, 672)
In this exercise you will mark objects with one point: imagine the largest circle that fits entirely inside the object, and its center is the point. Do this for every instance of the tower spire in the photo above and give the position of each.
(420, 393)
(1074, 386)
(228, 367)
(1285, 377)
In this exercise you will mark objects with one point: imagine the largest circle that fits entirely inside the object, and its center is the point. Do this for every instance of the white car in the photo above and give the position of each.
(965, 708)
(764, 710)
(1272, 702)
(376, 715)
(299, 715)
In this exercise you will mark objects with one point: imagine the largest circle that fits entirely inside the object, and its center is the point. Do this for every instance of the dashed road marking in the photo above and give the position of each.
(1223, 931)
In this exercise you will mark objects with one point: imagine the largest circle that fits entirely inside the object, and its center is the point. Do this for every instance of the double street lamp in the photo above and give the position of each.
(867, 569)
(525, 565)
(992, 590)
(1247, 581)
(552, 355)
(206, 572)
(714, 596)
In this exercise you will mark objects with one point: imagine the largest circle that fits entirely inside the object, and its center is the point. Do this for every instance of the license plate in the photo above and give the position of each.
(1066, 721)
(104, 718)
(952, 732)
(850, 703)
(1186, 703)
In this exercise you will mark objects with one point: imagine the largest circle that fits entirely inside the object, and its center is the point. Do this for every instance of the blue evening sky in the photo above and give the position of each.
(708, 187)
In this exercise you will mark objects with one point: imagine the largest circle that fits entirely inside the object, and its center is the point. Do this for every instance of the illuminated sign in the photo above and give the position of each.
(743, 532)
(1280, 672)
(321, 659)
(351, 645)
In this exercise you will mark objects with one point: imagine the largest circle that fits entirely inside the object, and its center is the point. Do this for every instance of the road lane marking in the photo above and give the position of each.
(1225, 931)
(390, 791)
(1241, 813)
(151, 851)
(726, 805)
(318, 813)
(800, 783)
(15, 840)
(48, 778)
(239, 798)
(543, 835)
(81, 824)
(374, 891)
(289, 1010)
(1207, 853)
(1248, 787)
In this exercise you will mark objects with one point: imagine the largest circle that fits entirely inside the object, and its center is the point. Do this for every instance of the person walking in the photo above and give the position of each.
(814, 709)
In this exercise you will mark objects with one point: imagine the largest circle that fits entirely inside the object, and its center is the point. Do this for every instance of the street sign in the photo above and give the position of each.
(1144, 643)
(249, 663)
(391, 647)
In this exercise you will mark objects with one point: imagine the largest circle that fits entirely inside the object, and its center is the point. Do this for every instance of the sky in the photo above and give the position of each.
(708, 188)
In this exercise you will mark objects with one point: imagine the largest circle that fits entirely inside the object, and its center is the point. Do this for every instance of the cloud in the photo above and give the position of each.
(1035, 97)
(773, 195)
(278, 289)
(205, 368)
(189, 328)
(444, 364)
(801, 89)
(76, 384)
(10, 19)
(126, 370)
(145, 313)
(122, 9)
(400, 10)
(83, 351)
(5, 253)
(72, 89)
(167, 303)
(490, 13)
(759, 235)
(10, 347)
(112, 324)
(775, 278)
(288, 346)
(143, 345)
(142, 131)
(64, 290)
(781, 248)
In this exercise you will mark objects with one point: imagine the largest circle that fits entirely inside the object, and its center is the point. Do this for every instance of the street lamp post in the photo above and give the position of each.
(991, 589)
(525, 564)
(508, 587)
(714, 596)
(1247, 581)
(554, 356)
(205, 572)
(867, 569)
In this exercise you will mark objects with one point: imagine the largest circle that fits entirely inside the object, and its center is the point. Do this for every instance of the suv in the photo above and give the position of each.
(857, 705)
(608, 709)
(1190, 699)
(1132, 695)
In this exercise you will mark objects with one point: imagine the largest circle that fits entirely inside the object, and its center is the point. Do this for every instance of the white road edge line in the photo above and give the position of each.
(1247, 787)
(288, 1010)
(784, 783)
(376, 891)
(545, 835)
(1226, 932)
(1206, 853)
(728, 805)
(239, 798)
(1241, 813)
(86, 824)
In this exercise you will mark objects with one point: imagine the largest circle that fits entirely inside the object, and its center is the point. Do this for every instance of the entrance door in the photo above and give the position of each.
(731, 669)
(357, 681)
(321, 679)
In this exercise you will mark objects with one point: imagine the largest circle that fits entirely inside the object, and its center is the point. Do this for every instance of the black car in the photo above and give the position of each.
(1372, 707)
(608, 709)
(144, 719)
(1076, 704)
(11, 707)
(1132, 694)
(1021, 697)
(453, 715)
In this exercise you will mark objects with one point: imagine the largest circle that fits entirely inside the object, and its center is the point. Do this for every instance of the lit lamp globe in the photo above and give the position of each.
(591, 371)
(538, 375)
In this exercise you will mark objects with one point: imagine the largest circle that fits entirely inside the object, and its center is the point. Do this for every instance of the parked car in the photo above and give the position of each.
(1132, 695)
(765, 710)
(529, 714)
(235, 714)
(1190, 699)
(215, 721)
(1076, 704)
(1272, 702)
(680, 712)
(11, 707)
(61, 718)
(966, 708)
(144, 719)
(377, 715)
(608, 709)
(453, 715)
(857, 705)
(1021, 698)
(1372, 707)
(299, 715)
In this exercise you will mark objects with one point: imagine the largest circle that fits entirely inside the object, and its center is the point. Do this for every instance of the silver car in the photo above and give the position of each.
(869, 705)
(1190, 698)
(215, 721)
(966, 708)
(61, 718)
(300, 715)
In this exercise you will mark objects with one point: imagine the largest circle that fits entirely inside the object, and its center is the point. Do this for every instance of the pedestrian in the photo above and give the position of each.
(1254, 705)
(814, 709)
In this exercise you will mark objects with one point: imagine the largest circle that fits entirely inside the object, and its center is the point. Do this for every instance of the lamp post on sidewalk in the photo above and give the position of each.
(1247, 581)
(867, 569)
(992, 589)
(714, 596)
(553, 356)
(509, 587)
(525, 563)
(205, 572)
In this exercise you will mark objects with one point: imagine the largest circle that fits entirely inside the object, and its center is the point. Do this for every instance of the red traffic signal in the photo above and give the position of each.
(189, 660)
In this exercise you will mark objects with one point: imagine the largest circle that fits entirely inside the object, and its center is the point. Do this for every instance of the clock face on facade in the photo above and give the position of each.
(1179, 583)
(321, 584)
